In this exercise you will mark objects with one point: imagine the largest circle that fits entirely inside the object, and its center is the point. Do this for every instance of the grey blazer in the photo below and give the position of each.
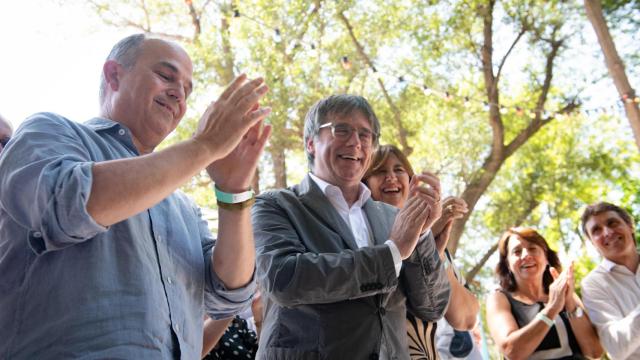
(325, 298)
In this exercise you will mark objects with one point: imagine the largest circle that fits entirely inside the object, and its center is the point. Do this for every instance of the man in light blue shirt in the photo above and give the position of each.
(5, 132)
(100, 256)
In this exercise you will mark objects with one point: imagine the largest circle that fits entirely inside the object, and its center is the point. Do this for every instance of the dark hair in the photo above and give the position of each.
(381, 155)
(343, 104)
(505, 276)
(125, 52)
(600, 207)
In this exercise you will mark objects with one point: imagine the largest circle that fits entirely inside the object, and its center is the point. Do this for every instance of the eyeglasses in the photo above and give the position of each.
(4, 141)
(344, 131)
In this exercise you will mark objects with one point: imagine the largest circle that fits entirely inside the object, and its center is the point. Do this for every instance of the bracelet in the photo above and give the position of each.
(230, 198)
(544, 318)
(236, 206)
(575, 314)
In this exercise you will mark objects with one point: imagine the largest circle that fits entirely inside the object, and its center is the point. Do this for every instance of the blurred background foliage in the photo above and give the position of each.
(488, 94)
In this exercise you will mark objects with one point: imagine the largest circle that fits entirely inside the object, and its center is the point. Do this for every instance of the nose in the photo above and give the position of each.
(606, 231)
(354, 138)
(389, 176)
(177, 93)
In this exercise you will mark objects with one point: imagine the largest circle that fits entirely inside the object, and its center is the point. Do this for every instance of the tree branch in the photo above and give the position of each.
(397, 117)
(476, 269)
(506, 55)
(195, 19)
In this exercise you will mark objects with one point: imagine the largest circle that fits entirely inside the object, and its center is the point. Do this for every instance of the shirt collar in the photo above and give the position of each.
(331, 190)
(98, 123)
(608, 265)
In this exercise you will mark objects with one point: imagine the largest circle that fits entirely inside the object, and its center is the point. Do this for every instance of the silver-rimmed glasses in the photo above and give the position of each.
(343, 131)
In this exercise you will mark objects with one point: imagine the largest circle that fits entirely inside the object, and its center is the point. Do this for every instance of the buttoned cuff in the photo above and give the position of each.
(395, 253)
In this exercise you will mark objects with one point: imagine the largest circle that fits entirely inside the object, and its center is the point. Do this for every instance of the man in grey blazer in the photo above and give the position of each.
(338, 270)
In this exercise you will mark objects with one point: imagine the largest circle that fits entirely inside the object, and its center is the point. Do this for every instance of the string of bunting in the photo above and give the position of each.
(447, 95)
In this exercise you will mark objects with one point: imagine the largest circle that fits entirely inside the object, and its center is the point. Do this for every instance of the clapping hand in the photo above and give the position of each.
(233, 126)
(420, 211)
(453, 208)
(228, 119)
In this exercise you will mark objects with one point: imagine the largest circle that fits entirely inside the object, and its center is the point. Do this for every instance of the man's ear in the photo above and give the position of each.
(311, 149)
(112, 72)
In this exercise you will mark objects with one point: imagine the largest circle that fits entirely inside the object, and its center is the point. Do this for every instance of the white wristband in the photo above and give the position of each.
(231, 198)
(544, 318)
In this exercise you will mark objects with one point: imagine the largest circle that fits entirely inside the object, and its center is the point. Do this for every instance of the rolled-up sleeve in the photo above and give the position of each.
(619, 332)
(46, 182)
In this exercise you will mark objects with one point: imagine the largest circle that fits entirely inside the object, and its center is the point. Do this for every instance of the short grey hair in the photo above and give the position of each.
(341, 105)
(125, 53)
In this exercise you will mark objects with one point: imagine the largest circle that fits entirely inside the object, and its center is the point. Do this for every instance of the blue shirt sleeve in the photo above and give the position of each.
(220, 302)
(45, 183)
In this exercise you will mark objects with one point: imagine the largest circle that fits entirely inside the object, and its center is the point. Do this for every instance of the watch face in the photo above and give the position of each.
(577, 313)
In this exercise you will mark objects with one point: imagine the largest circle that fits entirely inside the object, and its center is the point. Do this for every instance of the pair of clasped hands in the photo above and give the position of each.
(422, 211)
(562, 294)
(232, 130)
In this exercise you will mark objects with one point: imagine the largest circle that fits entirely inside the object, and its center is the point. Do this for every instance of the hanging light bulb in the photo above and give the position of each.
(448, 96)
(426, 90)
(346, 63)
(519, 111)
(276, 36)
(486, 106)
(503, 109)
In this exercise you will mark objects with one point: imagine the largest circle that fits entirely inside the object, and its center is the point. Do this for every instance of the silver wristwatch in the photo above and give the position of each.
(577, 313)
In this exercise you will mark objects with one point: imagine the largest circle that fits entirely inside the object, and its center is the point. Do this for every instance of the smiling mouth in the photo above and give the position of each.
(167, 107)
(349, 157)
(391, 191)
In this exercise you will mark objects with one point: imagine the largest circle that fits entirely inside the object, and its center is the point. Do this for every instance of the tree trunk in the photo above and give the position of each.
(615, 65)
(279, 167)
(499, 151)
(255, 183)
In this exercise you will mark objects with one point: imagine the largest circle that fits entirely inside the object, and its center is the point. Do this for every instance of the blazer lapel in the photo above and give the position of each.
(313, 198)
(378, 221)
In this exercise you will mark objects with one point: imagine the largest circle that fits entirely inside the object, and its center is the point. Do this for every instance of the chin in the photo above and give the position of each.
(393, 201)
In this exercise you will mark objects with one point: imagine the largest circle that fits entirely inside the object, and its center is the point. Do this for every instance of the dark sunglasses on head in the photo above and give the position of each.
(4, 141)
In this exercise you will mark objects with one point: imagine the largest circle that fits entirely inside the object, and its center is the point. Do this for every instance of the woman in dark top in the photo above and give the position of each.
(536, 314)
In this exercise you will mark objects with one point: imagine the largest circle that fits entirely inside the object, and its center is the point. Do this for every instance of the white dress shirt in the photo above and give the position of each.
(611, 295)
(355, 217)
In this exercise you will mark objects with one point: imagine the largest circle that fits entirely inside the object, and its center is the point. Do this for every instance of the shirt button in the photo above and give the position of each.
(169, 280)
(159, 238)
(121, 132)
(37, 234)
(177, 327)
